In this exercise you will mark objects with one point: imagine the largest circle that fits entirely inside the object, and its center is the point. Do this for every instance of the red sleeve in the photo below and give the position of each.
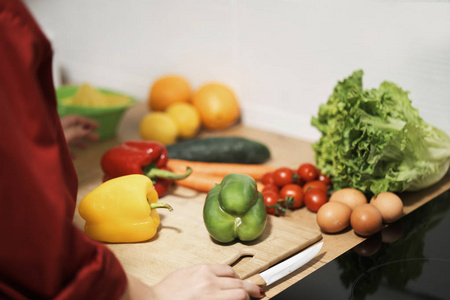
(42, 254)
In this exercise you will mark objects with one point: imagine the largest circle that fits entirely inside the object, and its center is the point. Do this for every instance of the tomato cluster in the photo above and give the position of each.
(287, 188)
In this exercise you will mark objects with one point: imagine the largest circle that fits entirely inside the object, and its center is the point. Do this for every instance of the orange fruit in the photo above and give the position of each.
(167, 90)
(217, 105)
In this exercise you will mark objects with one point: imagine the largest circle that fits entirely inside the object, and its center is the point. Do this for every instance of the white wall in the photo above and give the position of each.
(282, 58)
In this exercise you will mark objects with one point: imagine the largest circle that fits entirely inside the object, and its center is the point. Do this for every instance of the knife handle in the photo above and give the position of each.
(258, 280)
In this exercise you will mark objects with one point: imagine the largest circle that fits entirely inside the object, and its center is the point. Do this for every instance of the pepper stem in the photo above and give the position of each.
(160, 205)
(154, 172)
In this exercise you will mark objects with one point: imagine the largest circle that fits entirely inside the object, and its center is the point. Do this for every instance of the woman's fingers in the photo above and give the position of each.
(253, 290)
(233, 284)
(223, 270)
(75, 134)
(235, 294)
(229, 280)
(206, 282)
(79, 131)
(77, 120)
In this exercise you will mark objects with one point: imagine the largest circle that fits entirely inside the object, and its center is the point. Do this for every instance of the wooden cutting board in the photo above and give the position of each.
(183, 240)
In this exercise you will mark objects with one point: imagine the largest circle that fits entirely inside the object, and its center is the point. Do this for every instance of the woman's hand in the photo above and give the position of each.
(79, 131)
(208, 282)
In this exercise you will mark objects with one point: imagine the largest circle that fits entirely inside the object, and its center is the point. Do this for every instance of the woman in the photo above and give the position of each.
(42, 254)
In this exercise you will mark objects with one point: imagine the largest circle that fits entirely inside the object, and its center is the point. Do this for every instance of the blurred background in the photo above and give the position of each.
(281, 57)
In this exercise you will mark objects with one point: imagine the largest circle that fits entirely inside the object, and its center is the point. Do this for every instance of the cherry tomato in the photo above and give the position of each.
(324, 178)
(270, 187)
(315, 198)
(307, 172)
(297, 179)
(283, 176)
(315, 184)
(271, 202)
(267, 178)
(293, 195)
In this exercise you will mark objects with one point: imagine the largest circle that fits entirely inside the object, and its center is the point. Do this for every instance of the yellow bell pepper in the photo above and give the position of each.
(122, 210)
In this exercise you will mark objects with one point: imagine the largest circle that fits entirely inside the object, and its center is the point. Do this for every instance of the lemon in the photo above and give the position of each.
(160, 127)
(186, 117)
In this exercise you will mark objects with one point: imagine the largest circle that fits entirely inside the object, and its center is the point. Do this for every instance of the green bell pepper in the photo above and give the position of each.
(235, 209)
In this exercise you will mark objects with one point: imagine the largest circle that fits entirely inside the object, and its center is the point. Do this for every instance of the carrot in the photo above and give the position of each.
(200, 182)
(256, 171)
(204, 182)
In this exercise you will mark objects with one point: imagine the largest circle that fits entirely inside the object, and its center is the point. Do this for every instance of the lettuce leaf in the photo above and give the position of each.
(375, 141)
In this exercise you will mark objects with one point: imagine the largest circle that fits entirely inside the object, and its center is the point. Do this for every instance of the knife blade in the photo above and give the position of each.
(286, 267)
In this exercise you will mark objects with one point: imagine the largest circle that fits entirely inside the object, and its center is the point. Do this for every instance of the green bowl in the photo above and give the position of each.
(108, 118)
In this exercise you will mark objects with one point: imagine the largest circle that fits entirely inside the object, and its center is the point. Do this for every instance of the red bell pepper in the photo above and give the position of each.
(141, 157)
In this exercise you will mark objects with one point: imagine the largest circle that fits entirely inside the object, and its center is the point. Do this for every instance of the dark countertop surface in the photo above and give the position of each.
(410, 259)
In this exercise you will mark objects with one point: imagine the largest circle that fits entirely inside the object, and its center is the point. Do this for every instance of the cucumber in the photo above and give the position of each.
(220, 149)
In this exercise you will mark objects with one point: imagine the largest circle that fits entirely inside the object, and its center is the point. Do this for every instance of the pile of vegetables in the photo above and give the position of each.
(374, 140)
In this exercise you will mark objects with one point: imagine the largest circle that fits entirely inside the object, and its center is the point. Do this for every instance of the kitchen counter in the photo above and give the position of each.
(285, 151)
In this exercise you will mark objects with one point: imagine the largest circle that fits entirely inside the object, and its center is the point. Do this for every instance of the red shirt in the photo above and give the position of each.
(42, 254)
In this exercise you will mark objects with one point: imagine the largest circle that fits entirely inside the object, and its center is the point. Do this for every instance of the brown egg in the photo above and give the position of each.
(333, 217)
(351, 197)
(366, 219)
(390, 206)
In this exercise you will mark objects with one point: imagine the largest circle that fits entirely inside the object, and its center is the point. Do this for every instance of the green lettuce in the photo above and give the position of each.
(374, 140)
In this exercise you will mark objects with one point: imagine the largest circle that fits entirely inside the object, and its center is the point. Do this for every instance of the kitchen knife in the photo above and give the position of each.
(286, 267)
